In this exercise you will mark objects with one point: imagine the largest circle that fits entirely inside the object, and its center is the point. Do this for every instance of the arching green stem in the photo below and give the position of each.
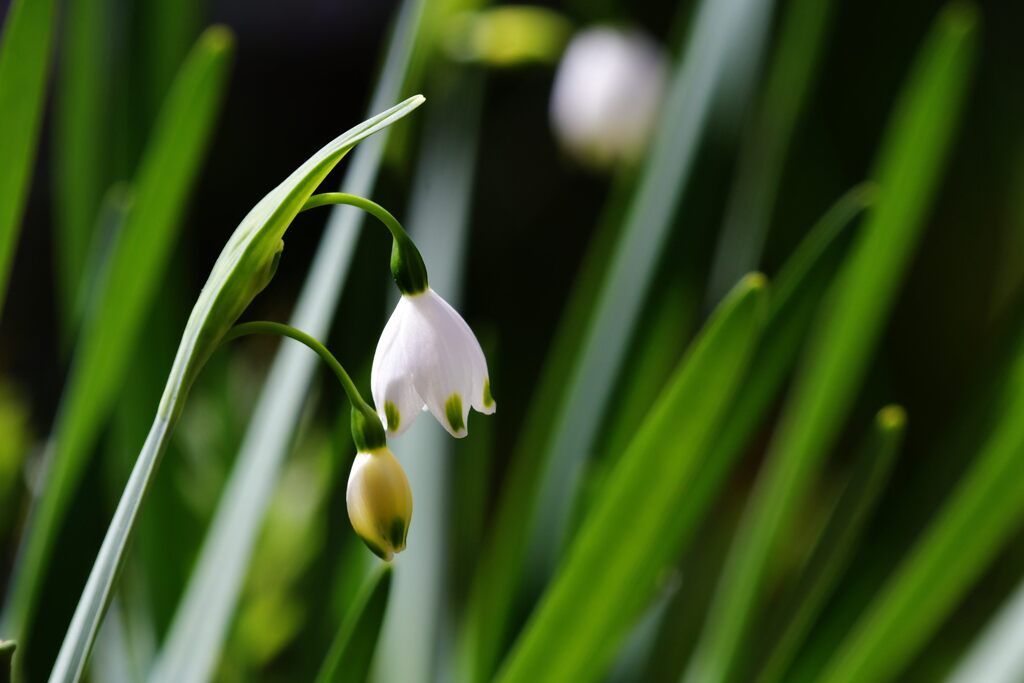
(406, 263)
(367, 431)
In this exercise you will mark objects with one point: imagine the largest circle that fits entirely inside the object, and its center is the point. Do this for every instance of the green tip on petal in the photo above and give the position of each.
(398, 529)
(392, 416)
(453, 411)
(488, 399)
(383, 554)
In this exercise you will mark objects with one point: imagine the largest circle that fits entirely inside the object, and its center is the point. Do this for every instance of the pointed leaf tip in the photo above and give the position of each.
(961, 15)
(755, 281)
(891, 417)
(218, 38)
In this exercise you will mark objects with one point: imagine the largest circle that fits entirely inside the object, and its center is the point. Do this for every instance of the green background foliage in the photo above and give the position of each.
(760, 389)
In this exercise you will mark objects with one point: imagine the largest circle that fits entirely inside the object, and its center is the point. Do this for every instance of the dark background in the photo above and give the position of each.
(303, 74)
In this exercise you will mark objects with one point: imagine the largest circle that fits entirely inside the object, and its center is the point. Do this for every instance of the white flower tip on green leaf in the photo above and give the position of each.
(379, 502)
(429, 359)
(607, 94)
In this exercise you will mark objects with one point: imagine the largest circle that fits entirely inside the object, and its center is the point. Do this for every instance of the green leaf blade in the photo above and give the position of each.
(919, 135)
(351, 653)
(838, 540)
(81, 135)
(631, 533)
(24, 64)
(129, 288)
(582, 365)
(984, 510)
(7, 648)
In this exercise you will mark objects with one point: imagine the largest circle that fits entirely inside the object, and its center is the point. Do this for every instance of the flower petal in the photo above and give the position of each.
(391, 377)
(444, 377)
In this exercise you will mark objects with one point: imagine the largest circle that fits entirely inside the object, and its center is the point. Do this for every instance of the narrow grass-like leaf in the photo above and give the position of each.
(244, 267)
(997, 655)
(130, 286)
(790, 76)
(81, 142)
(667, 328)
(484, 627)
(798, 290)
(982, 406)
(631, 534)
(7, 648)
(351, 653)
(96, 262)
(838, 540)
(697, 80)
(984, 510)
(24, 63)
(847, 331)
(197, 633)
(602, 312)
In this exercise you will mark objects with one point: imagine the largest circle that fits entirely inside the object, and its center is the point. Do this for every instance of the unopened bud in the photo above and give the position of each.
(379, 502)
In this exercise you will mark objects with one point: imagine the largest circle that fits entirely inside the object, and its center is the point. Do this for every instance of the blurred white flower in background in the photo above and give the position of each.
(607, 94)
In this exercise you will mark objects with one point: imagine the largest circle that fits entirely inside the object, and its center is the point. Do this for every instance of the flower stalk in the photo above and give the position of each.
(407, 267)
(367, 432)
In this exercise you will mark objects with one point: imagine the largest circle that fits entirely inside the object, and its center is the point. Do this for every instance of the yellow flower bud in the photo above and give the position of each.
(379, 502)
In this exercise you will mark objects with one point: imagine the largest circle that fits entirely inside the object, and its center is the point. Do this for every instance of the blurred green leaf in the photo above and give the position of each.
(24, 63)
(81, 141)
(838, 540)
(666, 330)
(197, 633)
(508, 36)
(805, 24)
(986, 507)
(129, 288)
(632, 533)
(7, 648)
(14, 446)
(846, 332)
(96, 261)
(485, 623)
(292, 539)
(797, 291)
(593, 336)
(165, 31)
(698, 79)
(997, 655)
(351, 653)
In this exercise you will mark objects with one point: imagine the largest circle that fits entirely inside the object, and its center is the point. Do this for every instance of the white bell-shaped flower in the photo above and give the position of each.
(429, 359)
(607, 94)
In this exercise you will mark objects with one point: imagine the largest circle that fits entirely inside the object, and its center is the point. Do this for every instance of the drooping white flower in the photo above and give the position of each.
(429, 359)
(379, 501)
(607, 94)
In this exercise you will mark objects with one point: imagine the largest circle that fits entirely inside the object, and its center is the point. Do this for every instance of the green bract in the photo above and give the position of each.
(250, 257)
